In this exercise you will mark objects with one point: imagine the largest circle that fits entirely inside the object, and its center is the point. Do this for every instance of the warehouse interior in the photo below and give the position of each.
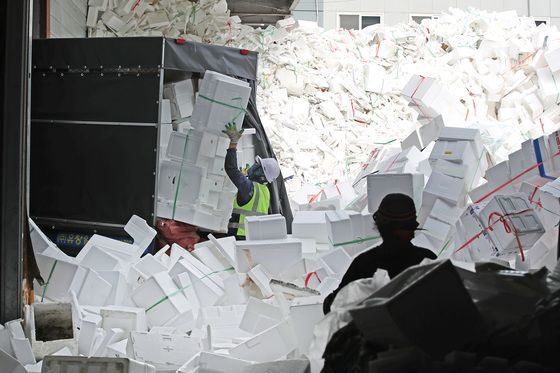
(279, 186)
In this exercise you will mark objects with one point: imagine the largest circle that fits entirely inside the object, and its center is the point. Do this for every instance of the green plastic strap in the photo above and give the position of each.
(183, 288)
(179, 178)
(359, 240)
(48, 280)
(444, 247)
(223, 103)
(385, 143)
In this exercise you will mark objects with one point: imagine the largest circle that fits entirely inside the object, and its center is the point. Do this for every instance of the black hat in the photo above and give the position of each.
(398, 211)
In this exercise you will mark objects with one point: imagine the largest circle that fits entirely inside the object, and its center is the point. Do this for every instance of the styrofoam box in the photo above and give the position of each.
(78, 364)
(447, 188)
(519, 216)
(339, 227)
(211, 115)
(164, 351)
(274, 255)
(271, 344)
(463, 134)
(305, 314)
(379, 185)
(160, 288)
(62, 277)
(178, 150)
(190, 179)
(469, 227)
(266, 227)
(126, 318)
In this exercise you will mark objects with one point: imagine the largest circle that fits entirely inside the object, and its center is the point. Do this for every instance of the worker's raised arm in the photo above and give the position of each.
(242, 183)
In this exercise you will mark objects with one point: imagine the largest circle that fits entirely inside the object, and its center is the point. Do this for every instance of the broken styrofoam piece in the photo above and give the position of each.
(144, 268)
(271, 344)
(88, 336)
(210, 255)
(267, 227)
(141, 232)
(123, 251)
(110, 336)
(117, 349)
(50, 327)
(126, 318)
(261, 277)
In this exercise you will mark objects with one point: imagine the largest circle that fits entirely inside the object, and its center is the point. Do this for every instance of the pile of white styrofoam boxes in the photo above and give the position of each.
(193, 186)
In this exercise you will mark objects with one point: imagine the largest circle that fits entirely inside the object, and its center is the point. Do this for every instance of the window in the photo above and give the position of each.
(358, 21)
(540, 21)
(349, 21)
(418, 18)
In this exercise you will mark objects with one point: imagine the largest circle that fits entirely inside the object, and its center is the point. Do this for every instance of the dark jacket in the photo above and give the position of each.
(392, 255)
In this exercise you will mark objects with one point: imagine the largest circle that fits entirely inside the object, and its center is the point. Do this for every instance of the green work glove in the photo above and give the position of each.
(232, 132)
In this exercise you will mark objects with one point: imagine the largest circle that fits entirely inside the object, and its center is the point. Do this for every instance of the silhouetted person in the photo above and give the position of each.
(396, 222)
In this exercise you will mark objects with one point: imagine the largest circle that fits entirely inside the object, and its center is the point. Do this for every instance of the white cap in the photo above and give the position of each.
(270, 168)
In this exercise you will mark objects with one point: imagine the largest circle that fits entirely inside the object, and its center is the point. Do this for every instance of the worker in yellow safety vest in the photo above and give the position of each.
(253, 196)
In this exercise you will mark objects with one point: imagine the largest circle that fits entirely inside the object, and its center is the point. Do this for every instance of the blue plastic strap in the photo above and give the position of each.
(542, 172)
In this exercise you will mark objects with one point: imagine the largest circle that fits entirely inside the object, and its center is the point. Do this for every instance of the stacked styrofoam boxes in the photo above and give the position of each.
(267, 245)
(459, 152)
(193, 186)
(536, 158)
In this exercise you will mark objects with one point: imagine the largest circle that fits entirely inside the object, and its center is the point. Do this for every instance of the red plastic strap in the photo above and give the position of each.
(509, 229)
(337, 189)
(542, 125)
(244, 52)
(513, 179)
(315, 197)
(531, 199)
(308, 278)
(474, 106)
(135, 5)
(422, 78)
(180, 41)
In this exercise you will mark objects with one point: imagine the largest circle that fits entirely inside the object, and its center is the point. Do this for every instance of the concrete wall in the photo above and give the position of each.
(68, 18)
(395, 11)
